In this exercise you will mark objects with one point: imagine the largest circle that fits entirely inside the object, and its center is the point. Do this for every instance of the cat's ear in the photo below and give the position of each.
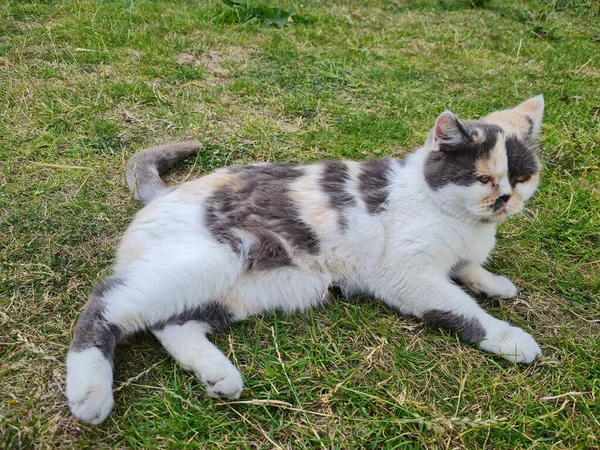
(533, 109)
(448, 133)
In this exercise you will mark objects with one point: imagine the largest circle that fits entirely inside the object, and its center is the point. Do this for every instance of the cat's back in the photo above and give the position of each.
(299, 210)
(324, 198)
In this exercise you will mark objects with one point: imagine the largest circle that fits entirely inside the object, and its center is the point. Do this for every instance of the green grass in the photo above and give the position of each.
(85, 84)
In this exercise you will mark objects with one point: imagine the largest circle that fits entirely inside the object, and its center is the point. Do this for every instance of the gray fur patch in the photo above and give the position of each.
(530, 122)
(455, 163)
(258, 202)
(92, 329)
(522, 157)
(458, 268)
(217, 316)
(469, 329)
(267, 252)
(374, 183)
(333, 182)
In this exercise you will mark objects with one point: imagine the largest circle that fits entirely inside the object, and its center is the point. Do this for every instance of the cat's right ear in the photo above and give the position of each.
(448, 133)
(534, 110)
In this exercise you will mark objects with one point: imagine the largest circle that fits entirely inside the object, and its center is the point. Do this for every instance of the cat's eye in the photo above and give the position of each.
(483, 179)
(522, 178)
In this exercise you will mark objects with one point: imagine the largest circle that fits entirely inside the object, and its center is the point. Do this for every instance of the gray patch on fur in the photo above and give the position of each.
(333, 182)
(458, 268)
(145, 167)
(373, 183)
(469, 329)
(530, 122)
(92, 329)
(455, 163)
(258, 202)
(267, 252)
(523, 157)
(214, 314)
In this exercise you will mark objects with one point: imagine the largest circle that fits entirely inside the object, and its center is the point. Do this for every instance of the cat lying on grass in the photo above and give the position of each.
(246, 240)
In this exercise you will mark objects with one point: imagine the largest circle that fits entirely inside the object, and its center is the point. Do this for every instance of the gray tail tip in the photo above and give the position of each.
(186, 148)
(193, 144)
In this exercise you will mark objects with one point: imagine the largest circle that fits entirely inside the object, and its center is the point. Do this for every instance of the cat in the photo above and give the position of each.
(247, 240)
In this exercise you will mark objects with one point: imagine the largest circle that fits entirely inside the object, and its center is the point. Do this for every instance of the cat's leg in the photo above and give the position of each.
(172, 280)
(187, 343)
(90, 357)
(285, 288)
(480, 281)
(436, 300)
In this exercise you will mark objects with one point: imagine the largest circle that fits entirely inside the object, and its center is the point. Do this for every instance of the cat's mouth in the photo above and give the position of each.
(494, 216)
(498, 211)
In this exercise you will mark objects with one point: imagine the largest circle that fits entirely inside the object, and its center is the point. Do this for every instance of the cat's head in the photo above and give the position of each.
(488, 168)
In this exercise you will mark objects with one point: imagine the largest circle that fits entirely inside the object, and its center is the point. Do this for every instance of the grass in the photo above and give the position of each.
(84, 84)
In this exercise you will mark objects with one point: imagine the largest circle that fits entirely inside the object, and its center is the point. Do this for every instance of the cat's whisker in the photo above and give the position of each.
(469, 223)
(529, 214)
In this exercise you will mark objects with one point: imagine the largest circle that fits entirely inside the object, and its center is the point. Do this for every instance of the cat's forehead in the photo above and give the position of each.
(505, 151)
(493, 162)
(512, 156)
(483, 135)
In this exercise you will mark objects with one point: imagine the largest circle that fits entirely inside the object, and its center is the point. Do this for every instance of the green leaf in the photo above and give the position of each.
(277, 16)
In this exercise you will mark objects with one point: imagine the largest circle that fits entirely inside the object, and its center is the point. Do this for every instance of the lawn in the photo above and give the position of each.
(85, 84)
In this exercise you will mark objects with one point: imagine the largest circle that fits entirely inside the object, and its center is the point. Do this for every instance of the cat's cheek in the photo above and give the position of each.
(525, 190)
(528, 188)
(474, 197)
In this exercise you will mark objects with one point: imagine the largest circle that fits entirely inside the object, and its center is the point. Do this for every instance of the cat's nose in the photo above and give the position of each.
(500, 202)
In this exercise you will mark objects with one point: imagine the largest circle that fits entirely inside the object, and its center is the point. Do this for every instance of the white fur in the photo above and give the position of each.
(89, 385)
(180, 266)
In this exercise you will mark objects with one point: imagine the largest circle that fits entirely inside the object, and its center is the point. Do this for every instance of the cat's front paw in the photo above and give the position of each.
(495, 286)
(502, 287)
(89, 385)
(222, 380)
(512, 343)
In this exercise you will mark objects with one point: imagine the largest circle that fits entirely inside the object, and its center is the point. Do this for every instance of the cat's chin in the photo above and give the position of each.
(498, 217)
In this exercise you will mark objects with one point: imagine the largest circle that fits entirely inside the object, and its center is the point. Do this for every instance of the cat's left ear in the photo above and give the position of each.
(447, 134)
(533, 109)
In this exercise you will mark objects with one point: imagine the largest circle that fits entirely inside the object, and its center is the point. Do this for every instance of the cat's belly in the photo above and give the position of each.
(287, 288)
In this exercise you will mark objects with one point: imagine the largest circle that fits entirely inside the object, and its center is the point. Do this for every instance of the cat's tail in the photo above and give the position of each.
(145, 168)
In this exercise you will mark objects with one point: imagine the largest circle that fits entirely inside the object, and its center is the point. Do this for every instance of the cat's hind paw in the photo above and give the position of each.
(89, 385)
(513, 344)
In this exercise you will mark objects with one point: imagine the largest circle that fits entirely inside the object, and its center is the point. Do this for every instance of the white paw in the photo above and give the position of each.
(502, 287)
(222, 380)
(512, 343)
(494, 286)
(89, 385)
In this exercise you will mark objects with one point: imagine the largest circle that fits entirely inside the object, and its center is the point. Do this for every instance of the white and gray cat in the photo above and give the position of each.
(246, 240)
